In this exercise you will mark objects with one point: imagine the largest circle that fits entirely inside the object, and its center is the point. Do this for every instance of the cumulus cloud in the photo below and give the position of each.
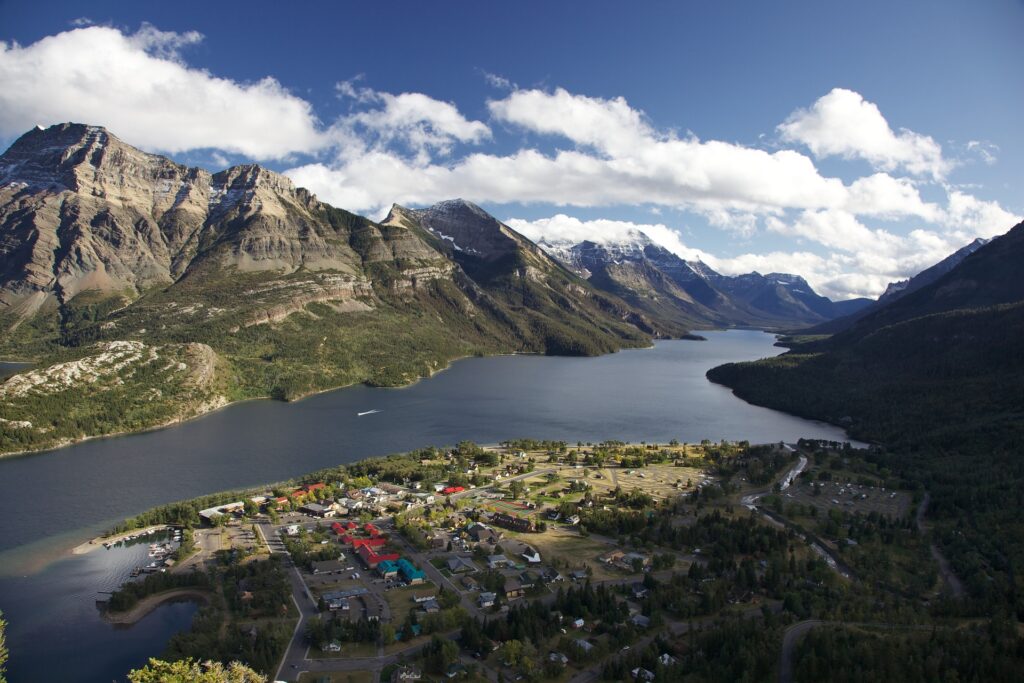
(138, 86)
(615, 158)
(425, 125)
(574, 151)
(843, 123)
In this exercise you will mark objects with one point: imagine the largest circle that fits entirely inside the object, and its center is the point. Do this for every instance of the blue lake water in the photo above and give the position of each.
(51, 501)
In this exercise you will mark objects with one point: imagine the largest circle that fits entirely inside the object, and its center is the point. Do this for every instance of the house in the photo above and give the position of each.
(486, 599)
(337, 604)
(629, 560)
(558, 657)
(387, 569)
(449, 490)
(531, 555)
(409, 572)
(317, 510)
(405, 673)
(430, 607)
(573, 520)
(584, 645)
(369, 556)
(550, 575)
(456, 671)
(460, 565)
(481, 533)
(520, 524)
(497, 562)
(578, 623)
(640, 621)
(614, 557)
(579, 575)
(292, 530)
(281, 501)
(371, 608)
(424, 596)
(371, 530)
(667, 659)
(639, 591)
(210, 514)
(528, 580)
(642, 674)
(328, 566)
(469, 583)
(514, 588)
(333, 646)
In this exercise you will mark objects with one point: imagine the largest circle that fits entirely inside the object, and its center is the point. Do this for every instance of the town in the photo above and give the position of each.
(533, 560)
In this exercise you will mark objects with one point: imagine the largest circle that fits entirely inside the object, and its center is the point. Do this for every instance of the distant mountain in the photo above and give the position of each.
(101, 243)
(896, 290)
(667, 286)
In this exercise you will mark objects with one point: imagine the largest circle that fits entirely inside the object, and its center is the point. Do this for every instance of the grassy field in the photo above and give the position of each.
(570, 549)
(400, 600)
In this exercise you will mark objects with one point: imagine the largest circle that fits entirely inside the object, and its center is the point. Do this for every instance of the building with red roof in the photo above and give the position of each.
(372, 559)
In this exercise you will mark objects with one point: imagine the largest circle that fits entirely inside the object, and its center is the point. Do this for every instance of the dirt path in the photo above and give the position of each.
(956, 588)
(149, 603)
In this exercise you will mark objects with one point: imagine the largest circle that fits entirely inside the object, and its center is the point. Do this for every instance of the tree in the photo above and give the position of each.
(516, 488)
(191, 671)
(511, 652)
(3, 649)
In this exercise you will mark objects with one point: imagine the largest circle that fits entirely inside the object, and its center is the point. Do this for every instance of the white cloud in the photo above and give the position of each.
(986, 150)
(883, 196)
(566, 230)
(581, 151)
(843, 123)
(137, 86)
(617, 159)
(969, 217)
(610, 126)
(422, 123)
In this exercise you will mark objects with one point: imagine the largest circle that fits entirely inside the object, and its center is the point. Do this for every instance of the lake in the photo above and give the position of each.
(52, 501)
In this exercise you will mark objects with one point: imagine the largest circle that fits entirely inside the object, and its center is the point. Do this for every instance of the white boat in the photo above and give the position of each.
(368, 412)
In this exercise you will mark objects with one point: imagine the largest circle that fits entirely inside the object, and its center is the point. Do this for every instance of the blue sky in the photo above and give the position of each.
(852, 143)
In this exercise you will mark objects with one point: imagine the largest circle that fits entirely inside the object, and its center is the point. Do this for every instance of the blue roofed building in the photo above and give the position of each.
(409, 571)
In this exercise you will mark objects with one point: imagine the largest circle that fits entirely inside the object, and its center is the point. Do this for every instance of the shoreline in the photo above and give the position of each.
(150, 603)
(97, 542)
(228, 403)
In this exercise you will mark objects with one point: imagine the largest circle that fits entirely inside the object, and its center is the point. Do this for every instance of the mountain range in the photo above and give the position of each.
(664, 285)
(247, 286)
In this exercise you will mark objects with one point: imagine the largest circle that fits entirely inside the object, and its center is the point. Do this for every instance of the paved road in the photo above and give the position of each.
(295, 656)
(750, 501)
(790, 638)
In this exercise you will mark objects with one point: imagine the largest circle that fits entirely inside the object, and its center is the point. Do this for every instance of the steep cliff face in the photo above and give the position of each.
(84, 213)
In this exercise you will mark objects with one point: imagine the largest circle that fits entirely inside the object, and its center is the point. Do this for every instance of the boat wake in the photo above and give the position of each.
(368, 412)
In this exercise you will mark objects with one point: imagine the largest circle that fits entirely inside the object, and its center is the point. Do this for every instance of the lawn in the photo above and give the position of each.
(400, 599)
